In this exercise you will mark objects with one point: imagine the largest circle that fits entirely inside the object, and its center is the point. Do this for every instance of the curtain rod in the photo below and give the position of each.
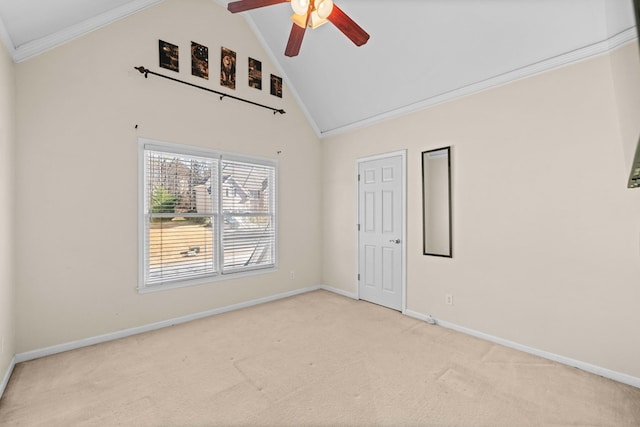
(146, 73)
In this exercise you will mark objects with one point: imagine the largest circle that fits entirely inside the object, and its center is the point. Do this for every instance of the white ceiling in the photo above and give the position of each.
(421, 52)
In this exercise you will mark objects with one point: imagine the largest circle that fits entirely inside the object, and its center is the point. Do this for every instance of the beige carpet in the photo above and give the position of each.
(313, 359)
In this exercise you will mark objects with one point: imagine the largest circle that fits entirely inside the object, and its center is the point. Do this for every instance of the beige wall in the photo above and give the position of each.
(76, 186)
(545, 232)
(7, 135)
(625, 69)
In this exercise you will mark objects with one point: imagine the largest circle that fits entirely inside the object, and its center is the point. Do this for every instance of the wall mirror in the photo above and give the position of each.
(436, 202)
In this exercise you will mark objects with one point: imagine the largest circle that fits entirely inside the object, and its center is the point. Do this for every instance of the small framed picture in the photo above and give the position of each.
(228, 68)
(255, 73)
(276, 86)
(199, 60)
(169, 56)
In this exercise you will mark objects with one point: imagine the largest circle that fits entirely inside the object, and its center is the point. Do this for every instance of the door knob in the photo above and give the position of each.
(397, 241)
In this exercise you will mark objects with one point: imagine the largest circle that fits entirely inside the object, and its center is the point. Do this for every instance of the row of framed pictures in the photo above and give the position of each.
(170, 54)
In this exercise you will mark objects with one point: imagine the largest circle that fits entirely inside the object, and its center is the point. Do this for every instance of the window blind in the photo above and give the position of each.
(180, 216)
(248, 210)
(206, 214)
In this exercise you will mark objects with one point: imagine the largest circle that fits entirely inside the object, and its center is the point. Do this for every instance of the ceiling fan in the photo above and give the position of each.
(308, 13)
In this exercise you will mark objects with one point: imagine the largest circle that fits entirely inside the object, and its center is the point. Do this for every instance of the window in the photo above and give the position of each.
(204, 215)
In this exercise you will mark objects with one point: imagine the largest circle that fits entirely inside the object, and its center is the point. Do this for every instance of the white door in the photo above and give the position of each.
(380, 230)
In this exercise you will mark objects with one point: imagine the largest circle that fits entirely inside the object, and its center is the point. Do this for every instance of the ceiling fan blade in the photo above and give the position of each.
(243, 5)
(349, 28)
(295, 40)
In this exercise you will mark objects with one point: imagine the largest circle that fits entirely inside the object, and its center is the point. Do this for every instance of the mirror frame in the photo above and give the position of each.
(634, 175)
(448, 254)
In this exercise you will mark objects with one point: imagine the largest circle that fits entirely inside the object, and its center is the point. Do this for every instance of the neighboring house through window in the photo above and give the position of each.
(204, 214)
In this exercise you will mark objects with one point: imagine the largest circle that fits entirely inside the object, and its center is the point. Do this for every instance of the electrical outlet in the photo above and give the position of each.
(448, 298)
(292, 275)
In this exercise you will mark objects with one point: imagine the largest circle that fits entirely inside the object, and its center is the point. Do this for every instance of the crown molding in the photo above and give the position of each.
(36, 47)
(6, 39)
(548, 64)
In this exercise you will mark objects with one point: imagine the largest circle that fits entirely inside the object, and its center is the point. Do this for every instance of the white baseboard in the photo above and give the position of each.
(48, 351)
(419, 316)
(7, 375)
(352, 295)
(603, 372)
(35, 354)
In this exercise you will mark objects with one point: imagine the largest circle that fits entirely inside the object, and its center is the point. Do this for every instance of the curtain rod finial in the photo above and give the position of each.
(143, 71)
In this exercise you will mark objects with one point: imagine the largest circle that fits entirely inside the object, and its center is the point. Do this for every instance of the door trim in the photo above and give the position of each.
(403, 161)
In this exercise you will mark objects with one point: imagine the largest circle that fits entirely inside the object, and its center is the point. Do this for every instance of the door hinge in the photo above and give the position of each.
(358, 227)
(358, 277)
(358, 177)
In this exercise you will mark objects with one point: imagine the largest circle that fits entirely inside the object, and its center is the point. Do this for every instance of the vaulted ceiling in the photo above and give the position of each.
(421, 52)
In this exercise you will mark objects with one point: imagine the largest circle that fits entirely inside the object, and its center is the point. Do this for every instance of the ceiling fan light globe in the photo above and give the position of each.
(300, 7)
(324, 8)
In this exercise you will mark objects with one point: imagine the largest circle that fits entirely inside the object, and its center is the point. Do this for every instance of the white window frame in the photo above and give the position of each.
(161, 146)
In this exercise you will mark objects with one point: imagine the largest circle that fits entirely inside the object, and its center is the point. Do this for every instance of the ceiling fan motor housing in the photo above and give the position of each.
(311, 12)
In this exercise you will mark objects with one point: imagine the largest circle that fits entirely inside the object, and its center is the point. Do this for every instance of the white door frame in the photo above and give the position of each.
(403, 243)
